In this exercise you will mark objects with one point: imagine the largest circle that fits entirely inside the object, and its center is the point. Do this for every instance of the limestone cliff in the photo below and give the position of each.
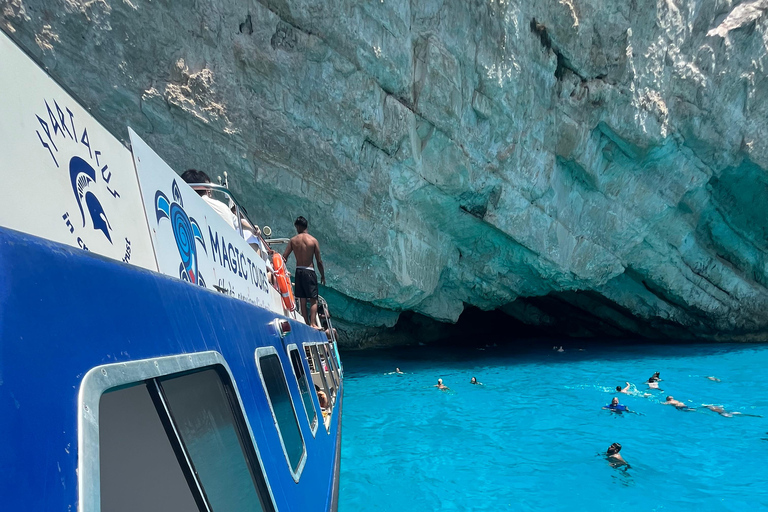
(594, 166)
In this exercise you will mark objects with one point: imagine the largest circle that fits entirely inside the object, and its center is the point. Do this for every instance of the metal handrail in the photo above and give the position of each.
(239, 210)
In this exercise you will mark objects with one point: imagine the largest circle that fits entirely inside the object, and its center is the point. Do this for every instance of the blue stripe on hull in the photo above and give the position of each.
(64, 311)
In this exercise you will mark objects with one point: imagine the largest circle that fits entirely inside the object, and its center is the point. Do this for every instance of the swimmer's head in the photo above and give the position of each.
(614, 449)
(473, 380)
(618, 388)
(670, 397)
(439, 381)
(615, 401)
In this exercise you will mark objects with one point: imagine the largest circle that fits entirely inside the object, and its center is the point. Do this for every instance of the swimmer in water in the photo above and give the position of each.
(440, 385)
(624, 390)
(616, 406)
(561, 349)
(722, 412)
(653, 381)
(677, 403)
(474, 381)
(397, 370)
(714, 379)
(614, 457)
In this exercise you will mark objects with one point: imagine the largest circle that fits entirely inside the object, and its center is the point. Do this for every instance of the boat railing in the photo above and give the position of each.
(241, 213)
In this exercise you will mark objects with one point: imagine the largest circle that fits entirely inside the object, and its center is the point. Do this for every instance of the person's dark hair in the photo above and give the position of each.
(618, 388)
(301, 222)
(195, 176)
(614, 449)
(670, 397)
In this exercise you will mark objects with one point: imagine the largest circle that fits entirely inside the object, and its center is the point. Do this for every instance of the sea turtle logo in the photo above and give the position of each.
(185, 230)
(83, 177)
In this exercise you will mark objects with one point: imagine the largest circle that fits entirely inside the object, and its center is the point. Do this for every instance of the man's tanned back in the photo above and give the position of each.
(305, 248)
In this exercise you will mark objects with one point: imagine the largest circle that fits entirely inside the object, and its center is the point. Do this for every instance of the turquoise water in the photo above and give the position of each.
(533, 436)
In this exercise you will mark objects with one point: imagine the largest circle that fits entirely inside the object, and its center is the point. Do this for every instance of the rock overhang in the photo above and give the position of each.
(611, 157)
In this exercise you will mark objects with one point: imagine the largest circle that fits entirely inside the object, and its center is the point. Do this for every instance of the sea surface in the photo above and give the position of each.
(533, 436)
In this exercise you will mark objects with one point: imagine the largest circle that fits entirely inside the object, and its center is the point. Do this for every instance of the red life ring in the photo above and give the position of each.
(283, 282)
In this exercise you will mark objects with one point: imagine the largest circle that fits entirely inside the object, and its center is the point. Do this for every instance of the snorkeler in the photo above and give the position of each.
(614, 457)
(440, 385)
(677, 403)
(615, 406)
(722, 412)
(474, 381)
(624, 390)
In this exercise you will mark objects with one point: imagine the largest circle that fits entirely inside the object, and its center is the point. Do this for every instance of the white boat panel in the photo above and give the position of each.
(65, 177)
(192, 242)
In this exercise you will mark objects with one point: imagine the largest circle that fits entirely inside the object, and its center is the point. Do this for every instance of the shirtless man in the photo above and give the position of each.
(440, 385)
(624, 390)
(306, 248)
(614, 457)
(677, 403)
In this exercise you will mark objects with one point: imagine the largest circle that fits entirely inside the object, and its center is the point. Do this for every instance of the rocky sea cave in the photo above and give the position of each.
(568, 168)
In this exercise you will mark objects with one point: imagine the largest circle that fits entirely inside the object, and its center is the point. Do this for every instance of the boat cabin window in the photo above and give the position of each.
(301, 379)
(321, 383)
(331, 364)
(327, 374)
(284, 413)
(178, 443)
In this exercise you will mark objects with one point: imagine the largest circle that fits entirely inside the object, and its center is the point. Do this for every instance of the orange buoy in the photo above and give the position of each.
(283, 282)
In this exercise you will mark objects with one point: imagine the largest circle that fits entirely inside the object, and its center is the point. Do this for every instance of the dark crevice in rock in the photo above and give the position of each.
(477, 211)
(563, 64)
(246, 27)
(372, 143)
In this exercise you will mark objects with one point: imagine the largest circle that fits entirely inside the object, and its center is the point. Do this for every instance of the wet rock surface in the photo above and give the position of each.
(594, 167)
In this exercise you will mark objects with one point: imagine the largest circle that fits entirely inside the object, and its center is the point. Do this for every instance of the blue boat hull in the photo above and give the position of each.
(64, 311)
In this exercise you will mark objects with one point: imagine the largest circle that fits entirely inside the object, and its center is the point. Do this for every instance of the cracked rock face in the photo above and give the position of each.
(593, 167)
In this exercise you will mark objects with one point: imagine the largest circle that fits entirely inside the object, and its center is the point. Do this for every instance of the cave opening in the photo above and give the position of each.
(570, 318)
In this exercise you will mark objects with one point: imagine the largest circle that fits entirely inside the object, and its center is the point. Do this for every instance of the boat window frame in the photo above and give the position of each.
(258, 354)
(307, 377)
(313, 352)
(332, 365)
(100, 379)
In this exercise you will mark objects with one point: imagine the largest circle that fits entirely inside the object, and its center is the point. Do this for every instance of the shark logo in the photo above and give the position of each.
(185, 230)
(83, 177)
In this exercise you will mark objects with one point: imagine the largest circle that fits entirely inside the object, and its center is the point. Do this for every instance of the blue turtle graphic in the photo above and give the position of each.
(186, 231)
(83, 176)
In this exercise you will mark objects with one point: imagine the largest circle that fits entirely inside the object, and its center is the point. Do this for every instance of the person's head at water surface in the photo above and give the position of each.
(473, 380)
(618, 388)
(300, 224)
(670, 398)
(614, 449)
(439, 382)
(615, 401)
(195, 176)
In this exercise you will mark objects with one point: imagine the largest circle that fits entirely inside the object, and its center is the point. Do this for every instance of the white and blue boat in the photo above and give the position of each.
(147, 362)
